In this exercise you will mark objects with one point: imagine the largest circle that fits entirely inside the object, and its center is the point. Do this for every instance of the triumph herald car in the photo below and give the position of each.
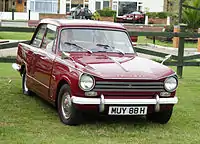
(84, 65)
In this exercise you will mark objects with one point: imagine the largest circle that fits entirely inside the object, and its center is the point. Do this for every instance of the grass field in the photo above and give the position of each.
(143, 39)
(15, 35)
(30, 120)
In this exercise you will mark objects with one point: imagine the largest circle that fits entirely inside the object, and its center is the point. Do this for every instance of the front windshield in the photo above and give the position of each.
(95, 40)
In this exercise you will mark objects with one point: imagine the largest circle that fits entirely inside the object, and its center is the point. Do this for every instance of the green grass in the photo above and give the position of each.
(15, 35)
(143, 39)
(30, 120)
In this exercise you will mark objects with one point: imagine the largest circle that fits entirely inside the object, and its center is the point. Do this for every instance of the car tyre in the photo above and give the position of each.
(25, 90)
(68, 114)
(160, 117)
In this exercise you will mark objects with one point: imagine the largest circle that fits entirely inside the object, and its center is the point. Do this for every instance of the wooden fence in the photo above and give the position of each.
(180, 61)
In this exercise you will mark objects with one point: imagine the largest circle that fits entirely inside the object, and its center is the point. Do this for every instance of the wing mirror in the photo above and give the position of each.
(65, 55)
(166, 58)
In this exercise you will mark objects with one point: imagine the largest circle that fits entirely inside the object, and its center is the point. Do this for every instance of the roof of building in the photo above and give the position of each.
(85, 23)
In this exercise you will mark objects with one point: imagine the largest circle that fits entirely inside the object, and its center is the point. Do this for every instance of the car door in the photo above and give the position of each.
(44, 58)
(35, 45)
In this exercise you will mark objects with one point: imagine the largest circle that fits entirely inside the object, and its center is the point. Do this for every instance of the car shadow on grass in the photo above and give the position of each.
(95, 118)
(107, 119)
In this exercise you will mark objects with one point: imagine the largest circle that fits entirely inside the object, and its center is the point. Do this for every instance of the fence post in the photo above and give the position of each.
(198, 49)
(146, 20)
(168, 20)
(29, 14)
(181, 52)
(13, 14)
(176, 39)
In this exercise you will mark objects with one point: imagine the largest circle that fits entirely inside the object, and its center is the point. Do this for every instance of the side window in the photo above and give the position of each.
(49, 38)
(37, 40)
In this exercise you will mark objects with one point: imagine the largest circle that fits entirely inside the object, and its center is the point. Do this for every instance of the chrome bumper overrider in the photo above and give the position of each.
(16, 66)
(102, 101)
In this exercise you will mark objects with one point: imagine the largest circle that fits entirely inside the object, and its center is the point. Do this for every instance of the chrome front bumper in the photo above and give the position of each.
(102, 101)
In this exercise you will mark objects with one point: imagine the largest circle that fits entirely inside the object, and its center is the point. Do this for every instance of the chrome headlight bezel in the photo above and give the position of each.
(91, 79)
(172, 79)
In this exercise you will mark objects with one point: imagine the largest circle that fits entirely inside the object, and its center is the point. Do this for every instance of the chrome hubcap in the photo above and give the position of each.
(25, 86)
(66, 105)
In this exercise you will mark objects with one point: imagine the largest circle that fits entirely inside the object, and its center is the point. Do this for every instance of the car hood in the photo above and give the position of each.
(126, 67)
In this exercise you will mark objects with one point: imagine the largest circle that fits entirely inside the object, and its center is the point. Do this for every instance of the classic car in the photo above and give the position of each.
(84, 65)
(132, 17)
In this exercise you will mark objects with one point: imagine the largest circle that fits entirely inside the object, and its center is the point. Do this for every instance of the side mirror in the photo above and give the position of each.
(65, 55)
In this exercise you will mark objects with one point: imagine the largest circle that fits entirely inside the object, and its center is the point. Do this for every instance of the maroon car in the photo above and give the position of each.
(83, 65)
(133, 17)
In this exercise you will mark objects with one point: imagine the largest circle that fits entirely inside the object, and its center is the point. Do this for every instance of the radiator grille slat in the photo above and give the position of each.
(129, 86)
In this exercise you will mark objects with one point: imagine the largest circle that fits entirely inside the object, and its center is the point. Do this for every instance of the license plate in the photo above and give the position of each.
(118, 110)
(129, 18)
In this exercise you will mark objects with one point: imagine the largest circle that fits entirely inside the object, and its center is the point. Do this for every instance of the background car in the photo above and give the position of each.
(132, 17)
(80, 13)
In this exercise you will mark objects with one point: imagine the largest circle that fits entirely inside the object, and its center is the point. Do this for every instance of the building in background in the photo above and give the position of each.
(43, 6)
(121, 6)
(17, 5)
(63, 6)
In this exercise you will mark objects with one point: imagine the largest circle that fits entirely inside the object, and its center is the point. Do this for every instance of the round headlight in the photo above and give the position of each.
(86, 82)
(171, 84)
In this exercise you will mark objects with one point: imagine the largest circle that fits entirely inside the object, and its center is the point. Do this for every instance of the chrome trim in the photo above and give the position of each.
(102, 103)
(138, 83)
(83, 100)
(16, 67)
(129, 86)
(37, 81)
(176, 84)
(118, 64)
(129, 90)
(157, 106)
(80, 81)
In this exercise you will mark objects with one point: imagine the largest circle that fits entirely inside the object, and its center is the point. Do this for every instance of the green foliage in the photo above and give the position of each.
(10, 10)
(107, 12)
(96, 16)
(162, 14)
(192, 17)
(158, 14)
(169, 28)
(151, 14)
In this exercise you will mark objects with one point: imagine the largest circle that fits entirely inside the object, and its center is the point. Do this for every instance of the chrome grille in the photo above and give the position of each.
(129, 86)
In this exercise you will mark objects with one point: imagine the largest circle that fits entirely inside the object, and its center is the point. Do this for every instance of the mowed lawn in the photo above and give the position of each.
(15, 35)
(30, 120)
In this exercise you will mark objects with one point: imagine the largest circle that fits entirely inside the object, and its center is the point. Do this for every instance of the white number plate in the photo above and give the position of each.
(117, 110)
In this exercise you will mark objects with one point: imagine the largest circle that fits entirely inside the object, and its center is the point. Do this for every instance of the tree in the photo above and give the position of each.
(192, 17)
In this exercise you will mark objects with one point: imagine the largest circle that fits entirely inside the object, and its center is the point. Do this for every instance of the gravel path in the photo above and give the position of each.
(8, 52)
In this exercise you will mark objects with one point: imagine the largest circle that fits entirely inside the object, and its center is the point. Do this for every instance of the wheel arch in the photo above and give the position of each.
(59, 85)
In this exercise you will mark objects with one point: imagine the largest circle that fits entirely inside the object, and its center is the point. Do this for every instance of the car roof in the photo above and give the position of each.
(82, 23)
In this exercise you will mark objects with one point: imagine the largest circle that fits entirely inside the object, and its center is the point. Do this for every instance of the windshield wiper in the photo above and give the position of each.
(113, 48)
(73, 44)
(120, 51)
(104, 45)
